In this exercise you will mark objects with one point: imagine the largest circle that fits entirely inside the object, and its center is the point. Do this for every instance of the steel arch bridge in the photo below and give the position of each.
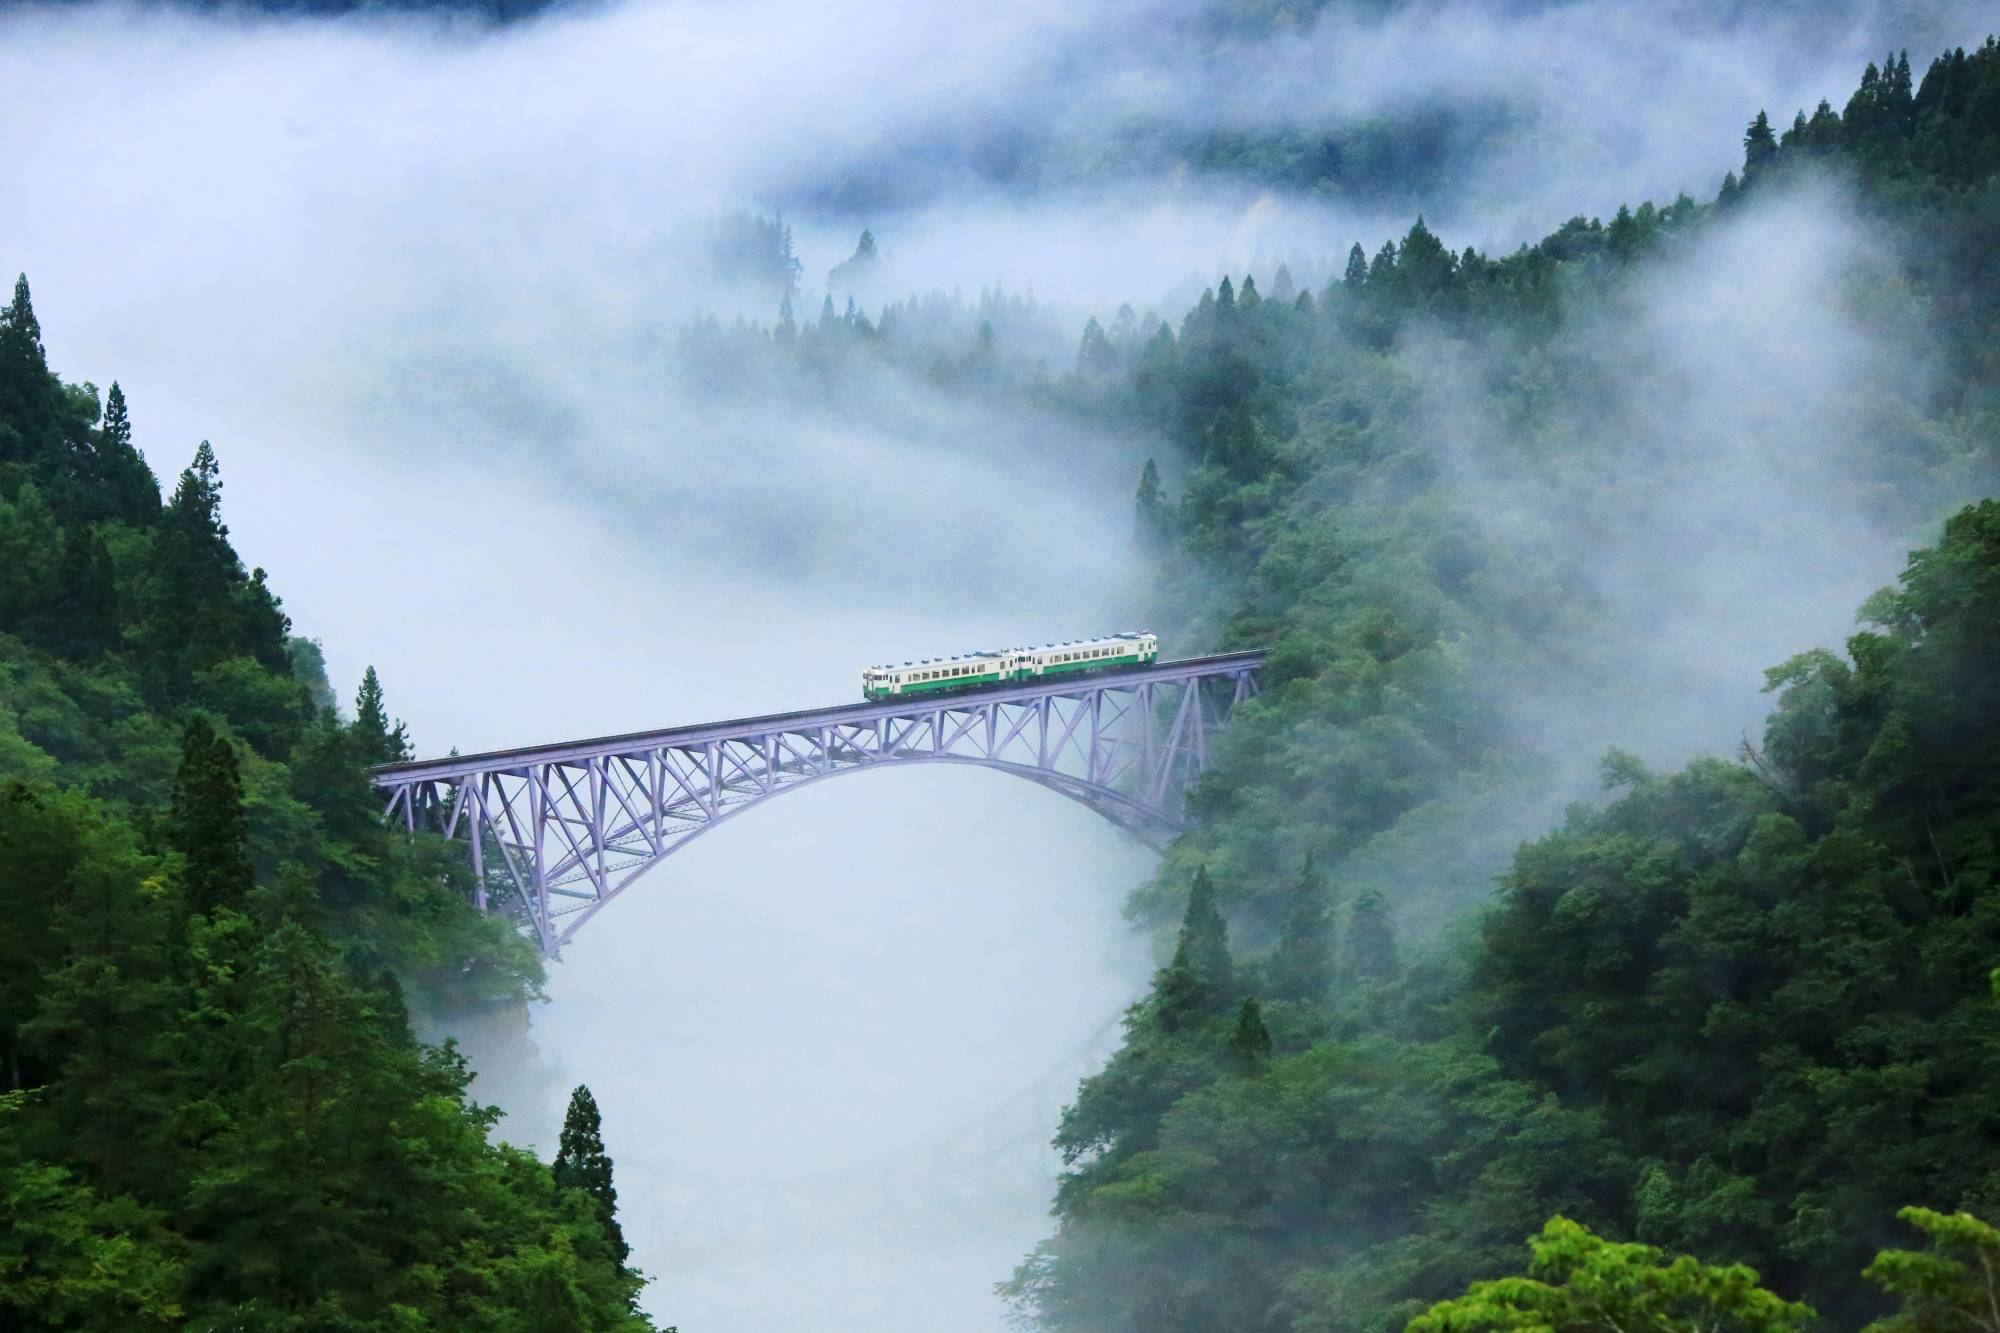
(558, 831)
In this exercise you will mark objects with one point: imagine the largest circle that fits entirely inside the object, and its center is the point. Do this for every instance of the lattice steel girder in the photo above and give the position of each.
(566, 828)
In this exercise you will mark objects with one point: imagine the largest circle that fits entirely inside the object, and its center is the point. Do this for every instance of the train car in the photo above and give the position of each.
(971, 671)
(1132, 648)
(938, 675)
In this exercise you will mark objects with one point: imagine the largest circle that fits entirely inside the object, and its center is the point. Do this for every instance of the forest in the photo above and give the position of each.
(213, 1112)
(1717, 1050)
(1739, 1013)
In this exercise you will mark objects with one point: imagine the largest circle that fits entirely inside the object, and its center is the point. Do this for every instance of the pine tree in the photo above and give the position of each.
(1248, 297)
(21, 322)
(1095, 354)
(1623, 235)
(1150, 516)
(1382, 270)
(1225, 294)
(208, 825)
(1204, 938)
(1283, 289)
(582, 1164)
(1760, 147)
(1356, 276)
(1250, 1043)
(131, 493)
(1197, 981)
(1301, 965)
(857, 267)
(381, 742)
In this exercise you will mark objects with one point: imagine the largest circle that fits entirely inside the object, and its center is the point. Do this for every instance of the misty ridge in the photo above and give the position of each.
(1607, 857)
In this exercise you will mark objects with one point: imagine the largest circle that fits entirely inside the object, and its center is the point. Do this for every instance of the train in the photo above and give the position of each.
(1009, 666)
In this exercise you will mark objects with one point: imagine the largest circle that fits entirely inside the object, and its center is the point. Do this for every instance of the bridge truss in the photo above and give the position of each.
(556, 832)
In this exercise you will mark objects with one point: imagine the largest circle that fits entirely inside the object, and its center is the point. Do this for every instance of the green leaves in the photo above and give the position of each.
(1578, 1281)
(1954, 1285)
(212, 1110)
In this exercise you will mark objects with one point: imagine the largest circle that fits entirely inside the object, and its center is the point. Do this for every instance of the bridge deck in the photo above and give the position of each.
(569, 751)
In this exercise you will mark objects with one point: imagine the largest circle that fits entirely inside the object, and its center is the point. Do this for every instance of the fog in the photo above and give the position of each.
(422, 284)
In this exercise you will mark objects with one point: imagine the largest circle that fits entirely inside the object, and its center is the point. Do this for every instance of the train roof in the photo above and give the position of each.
(1002, 652)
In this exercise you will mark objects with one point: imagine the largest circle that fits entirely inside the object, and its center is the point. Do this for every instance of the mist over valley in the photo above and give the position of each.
(1602, 467)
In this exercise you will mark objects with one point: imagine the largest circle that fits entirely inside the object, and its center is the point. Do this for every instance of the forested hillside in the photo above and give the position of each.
(1741, 1012)
(214, 1114)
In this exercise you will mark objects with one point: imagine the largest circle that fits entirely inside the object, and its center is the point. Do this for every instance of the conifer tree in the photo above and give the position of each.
(1623, 234)
(1198, 978)
(1248, 297)
(1250, 1043)
(1225, 294)
(582, 1164)
(131, 493)
(1204, 938)
(1150, 518)
(1356, 276)
(1760, 146)
(21, 321)
(1301, 966)
(1284, 290)
(117, 425)
(208, 825)
(1095, 354)
(1382, 269)
(381, 742)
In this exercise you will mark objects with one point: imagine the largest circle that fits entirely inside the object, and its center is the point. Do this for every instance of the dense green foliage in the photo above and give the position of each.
(1579, 1281)
(212, 1111)
(1742, 1011)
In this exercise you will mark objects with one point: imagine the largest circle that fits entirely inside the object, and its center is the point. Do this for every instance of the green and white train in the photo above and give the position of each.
(1010, 666)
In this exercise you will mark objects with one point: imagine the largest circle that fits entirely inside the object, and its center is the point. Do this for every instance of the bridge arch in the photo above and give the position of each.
(557, 832)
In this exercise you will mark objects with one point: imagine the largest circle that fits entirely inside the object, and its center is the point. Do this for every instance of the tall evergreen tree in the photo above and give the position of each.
(1095, 354)
(1760, 147)
(209, 827)
(1301, 964)
(21, 321)
(30, 400)
(1150, 508)
(582, 1164)
(381, 741)
(1250, 1043)
(1356, 276)
(130, 492)
(1204, 937)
